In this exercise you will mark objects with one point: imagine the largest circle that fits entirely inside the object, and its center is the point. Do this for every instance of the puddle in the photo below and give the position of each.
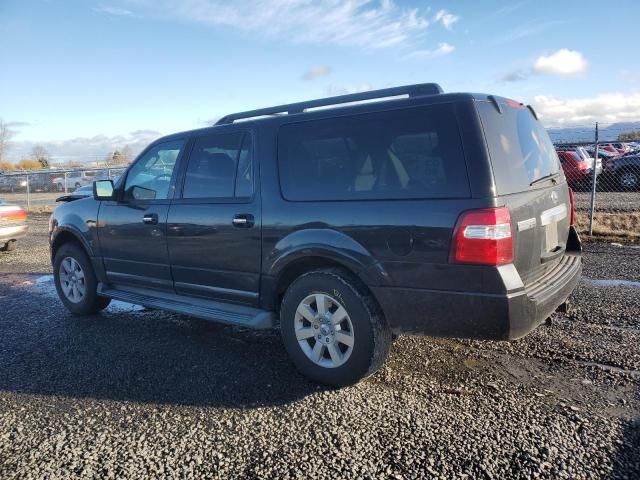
(612, 369)
(117, 306)
(45, 285)
(601, 282)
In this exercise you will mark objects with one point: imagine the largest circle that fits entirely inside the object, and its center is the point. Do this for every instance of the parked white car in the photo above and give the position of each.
(73, 180)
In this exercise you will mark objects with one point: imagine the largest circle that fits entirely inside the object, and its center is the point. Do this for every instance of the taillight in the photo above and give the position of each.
(584, 165)
(573, 207)
(12, 213)
(483, 237)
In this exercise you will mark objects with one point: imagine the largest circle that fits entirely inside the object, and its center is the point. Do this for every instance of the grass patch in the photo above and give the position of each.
(614, 226)
(40, 209)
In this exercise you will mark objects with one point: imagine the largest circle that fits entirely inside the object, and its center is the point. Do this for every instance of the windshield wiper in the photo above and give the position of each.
(551, 176)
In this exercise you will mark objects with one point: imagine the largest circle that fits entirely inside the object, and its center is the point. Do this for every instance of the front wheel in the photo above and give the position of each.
(332, 328)
(76, 282)
(9, 246)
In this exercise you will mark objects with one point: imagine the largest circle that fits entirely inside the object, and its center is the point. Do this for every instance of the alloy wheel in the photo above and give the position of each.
(629, 180)
(324, 330)
(72, 280)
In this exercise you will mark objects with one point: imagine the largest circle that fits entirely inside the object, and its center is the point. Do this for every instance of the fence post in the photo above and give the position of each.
(593, 184)
(28, 193)
(65, 182)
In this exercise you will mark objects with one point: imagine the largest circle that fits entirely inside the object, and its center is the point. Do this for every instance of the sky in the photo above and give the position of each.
(84, 77)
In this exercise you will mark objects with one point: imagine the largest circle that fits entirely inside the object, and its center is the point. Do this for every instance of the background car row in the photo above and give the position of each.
(617, 165)
(50, 181)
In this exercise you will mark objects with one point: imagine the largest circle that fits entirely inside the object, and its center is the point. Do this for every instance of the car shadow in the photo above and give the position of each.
(626, 464)
(133, 354)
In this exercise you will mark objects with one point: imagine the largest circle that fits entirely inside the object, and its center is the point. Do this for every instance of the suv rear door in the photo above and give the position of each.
(214, 224)
(529, 180)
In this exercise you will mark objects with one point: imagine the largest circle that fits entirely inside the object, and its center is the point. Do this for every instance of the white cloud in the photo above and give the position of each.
(316, 71)
(120, 12)
(447, 19)
(84, 149)
(442, 49)
(562, 62)
(607, 107)
(355, 23)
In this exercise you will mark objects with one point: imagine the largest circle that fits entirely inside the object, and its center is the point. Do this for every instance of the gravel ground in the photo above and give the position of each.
(133, 393)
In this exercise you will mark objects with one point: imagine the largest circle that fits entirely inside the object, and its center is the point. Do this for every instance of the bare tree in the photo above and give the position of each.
(5, 136)
(40, 154)
(127, 156)
(117, 158)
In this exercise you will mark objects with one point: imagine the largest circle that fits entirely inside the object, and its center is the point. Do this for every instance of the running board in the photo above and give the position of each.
(229, 313)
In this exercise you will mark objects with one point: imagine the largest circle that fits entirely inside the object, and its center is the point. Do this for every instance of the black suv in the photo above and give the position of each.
(345, 222)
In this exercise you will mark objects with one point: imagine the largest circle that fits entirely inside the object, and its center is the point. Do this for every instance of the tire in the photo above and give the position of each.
(87, 303)
(629, 180)
(9, 246)
(363, 326)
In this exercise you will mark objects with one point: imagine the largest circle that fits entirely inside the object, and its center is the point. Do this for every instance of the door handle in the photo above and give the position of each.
(150, 219)
(243, 220)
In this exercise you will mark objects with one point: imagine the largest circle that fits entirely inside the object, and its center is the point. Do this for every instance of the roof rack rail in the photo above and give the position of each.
(417, 90)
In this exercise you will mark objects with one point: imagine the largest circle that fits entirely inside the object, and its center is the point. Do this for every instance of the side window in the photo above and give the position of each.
(409, 153)
(150, 177)
(220, 166)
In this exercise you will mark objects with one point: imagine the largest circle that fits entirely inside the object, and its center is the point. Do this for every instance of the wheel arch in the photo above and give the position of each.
(66, 235)
(298, 254)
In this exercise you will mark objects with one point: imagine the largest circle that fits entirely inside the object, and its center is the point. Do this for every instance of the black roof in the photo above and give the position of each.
(351, 103)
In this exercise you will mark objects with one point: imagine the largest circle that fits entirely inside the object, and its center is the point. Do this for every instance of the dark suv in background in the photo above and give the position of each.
(420, 213)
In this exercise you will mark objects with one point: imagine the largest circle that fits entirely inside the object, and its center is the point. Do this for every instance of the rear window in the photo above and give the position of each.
(400, 154)
(520, 148)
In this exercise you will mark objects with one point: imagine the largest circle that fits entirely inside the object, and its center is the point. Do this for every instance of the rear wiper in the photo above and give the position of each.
(551, 176)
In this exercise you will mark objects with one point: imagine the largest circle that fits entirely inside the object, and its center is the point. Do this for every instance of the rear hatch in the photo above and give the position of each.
(530, 182)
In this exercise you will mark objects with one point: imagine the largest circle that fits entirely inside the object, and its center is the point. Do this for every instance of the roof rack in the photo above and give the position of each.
(418, 90)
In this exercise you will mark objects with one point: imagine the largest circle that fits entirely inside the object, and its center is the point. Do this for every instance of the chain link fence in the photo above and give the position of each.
(604, 173)
(41, 188)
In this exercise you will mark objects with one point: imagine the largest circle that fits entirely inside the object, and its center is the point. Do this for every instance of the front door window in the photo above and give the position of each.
(150, 177)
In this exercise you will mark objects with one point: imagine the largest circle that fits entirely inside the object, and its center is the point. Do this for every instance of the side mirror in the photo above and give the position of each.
(103, 190)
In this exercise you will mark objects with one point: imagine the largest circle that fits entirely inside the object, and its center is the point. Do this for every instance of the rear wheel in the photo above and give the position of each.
(76, 282)
(332, 328)
(629, 180)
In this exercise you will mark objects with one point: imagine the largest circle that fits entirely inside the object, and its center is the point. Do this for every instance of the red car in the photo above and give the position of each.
(577, 169)
(13, 225)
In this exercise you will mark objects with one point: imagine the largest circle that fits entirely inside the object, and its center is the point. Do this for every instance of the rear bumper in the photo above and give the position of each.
(479, 315)
(13, 232)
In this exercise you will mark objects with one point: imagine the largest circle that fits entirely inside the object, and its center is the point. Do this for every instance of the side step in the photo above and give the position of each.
(229, 313)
